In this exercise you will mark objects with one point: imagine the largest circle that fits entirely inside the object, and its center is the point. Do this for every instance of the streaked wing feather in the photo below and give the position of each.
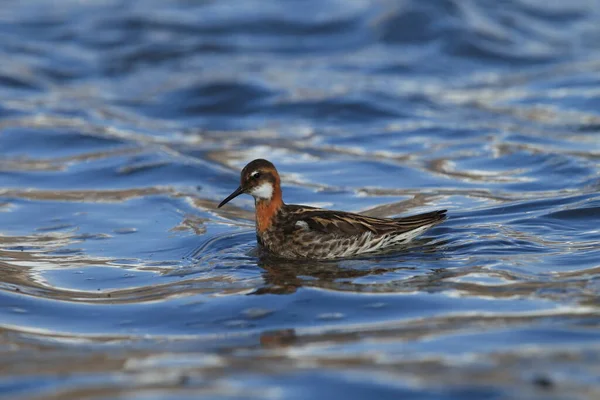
(349, 224)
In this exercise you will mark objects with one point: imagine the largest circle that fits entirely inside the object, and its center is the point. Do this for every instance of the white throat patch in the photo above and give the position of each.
(263, 191)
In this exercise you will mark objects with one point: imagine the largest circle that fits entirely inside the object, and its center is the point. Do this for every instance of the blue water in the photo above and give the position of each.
(124, 123)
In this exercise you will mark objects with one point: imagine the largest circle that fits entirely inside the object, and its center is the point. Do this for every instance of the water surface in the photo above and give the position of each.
(124, 123)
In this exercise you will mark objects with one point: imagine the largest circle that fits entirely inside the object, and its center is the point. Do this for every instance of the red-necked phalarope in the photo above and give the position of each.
(293, 231)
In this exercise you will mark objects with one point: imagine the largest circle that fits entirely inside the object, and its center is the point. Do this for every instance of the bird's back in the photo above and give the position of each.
(307, 232)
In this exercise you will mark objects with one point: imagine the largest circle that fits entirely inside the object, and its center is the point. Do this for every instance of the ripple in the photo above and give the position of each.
(222, 98)
(124, 123)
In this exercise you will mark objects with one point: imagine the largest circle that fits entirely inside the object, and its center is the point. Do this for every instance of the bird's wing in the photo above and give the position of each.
(349, 224)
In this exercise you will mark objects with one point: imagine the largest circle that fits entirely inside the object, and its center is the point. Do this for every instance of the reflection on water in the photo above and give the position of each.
(124, 123)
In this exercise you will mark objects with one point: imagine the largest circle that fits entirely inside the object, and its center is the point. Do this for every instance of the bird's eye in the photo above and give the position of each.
(255, 175)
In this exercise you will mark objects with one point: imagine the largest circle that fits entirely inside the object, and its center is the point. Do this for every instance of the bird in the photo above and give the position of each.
(301, 232)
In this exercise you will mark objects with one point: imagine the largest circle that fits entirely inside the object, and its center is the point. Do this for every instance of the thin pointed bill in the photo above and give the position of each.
(232, 196)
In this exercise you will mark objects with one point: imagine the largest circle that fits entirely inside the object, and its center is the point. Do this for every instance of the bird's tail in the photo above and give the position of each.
(419, 220)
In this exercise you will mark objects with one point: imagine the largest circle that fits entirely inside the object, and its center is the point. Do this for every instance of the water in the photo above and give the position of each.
(124, 123)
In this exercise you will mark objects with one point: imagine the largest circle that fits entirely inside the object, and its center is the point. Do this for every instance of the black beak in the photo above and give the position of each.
(232, 196)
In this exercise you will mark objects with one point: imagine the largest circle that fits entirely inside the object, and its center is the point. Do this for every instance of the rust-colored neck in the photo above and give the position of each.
(267, 209)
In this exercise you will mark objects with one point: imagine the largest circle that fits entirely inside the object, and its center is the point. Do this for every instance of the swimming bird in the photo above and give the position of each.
(302, 232)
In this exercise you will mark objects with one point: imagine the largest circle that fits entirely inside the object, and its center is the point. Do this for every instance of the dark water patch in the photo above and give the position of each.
(213, 98)
(416, 23)
(57, 143)
(13, 82)
(531, 206)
